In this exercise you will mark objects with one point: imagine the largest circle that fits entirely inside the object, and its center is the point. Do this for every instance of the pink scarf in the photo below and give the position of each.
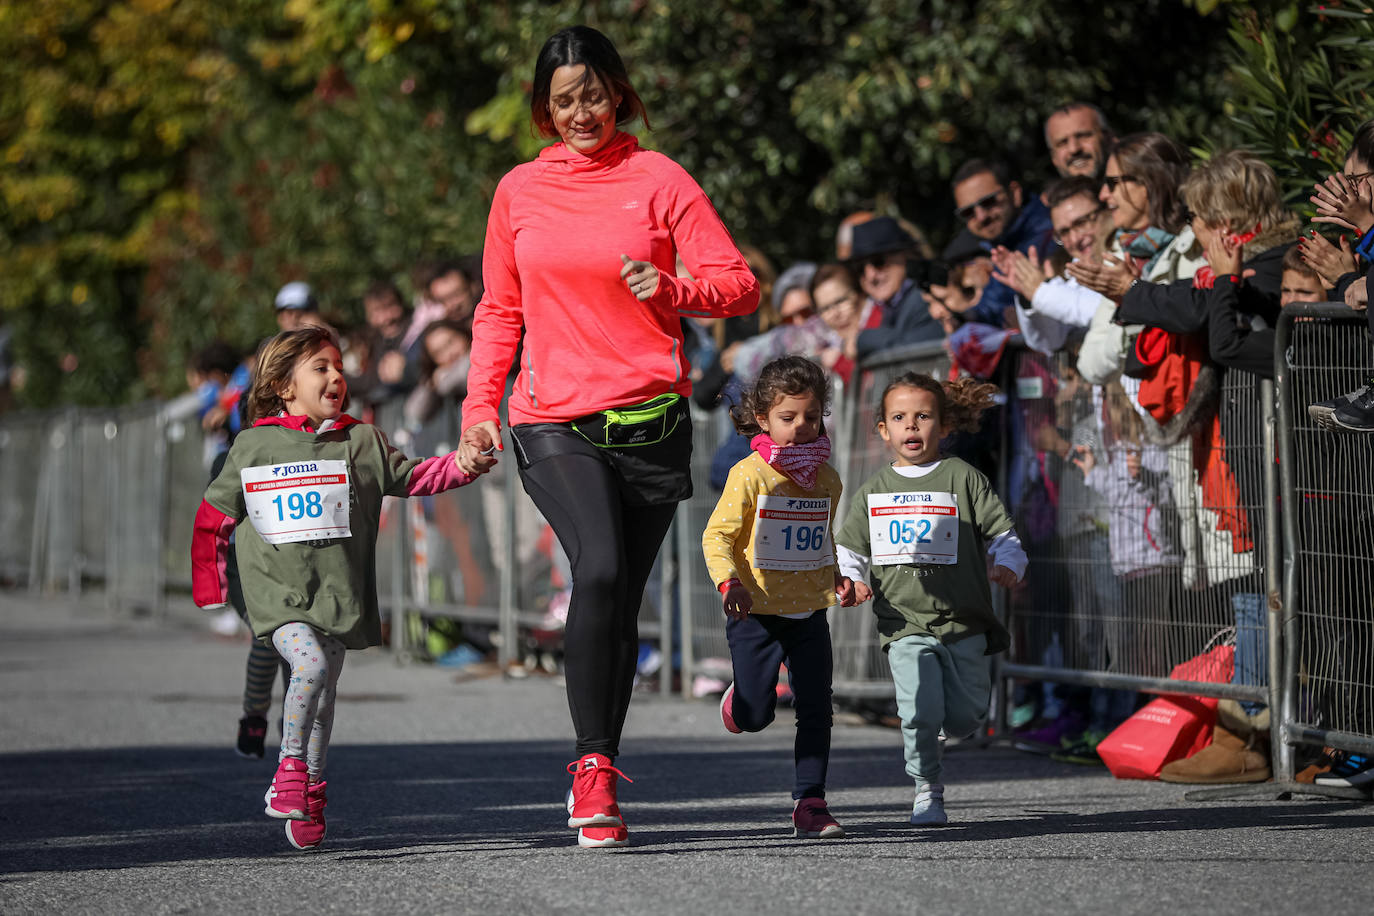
(798, 463)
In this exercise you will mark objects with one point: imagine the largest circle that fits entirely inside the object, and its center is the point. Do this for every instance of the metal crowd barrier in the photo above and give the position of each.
(108, 495)
(1323, 351)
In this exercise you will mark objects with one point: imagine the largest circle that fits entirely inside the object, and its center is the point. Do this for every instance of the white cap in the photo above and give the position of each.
(297, 296)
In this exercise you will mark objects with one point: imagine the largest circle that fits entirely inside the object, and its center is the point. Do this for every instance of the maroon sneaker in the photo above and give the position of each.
(811, 819)
(285, 797)
(309, 834)
(593, 801)
(727, 715)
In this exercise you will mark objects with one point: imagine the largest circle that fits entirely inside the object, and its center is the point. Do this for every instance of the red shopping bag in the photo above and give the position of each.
(1168, 728)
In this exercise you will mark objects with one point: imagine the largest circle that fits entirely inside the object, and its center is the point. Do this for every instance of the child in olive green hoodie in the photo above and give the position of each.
(310, 480)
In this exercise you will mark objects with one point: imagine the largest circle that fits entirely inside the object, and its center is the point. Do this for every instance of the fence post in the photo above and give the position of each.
(684, 594)
(1280, 751)
(668, 573)
(506, 651)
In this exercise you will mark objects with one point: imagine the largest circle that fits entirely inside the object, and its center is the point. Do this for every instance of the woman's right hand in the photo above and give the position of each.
(478, 447)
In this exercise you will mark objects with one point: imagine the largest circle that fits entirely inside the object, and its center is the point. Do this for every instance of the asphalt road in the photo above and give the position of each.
(120, 793)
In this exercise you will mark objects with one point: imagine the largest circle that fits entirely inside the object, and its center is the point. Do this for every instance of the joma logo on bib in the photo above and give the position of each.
(286, 470)
(793, 503)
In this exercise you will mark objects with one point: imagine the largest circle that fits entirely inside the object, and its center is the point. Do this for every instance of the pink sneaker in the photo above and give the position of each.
(600, 837)
(592, 800)
(310, 833)
(286, 796)
(811, 818)
(727, 716)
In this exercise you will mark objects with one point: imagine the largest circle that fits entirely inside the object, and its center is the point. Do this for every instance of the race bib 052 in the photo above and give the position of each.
(913, 528)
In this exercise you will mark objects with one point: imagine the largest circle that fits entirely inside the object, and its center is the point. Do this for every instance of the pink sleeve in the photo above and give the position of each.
(497, 323)
(210, 556)
(437, 474)
(721, 285)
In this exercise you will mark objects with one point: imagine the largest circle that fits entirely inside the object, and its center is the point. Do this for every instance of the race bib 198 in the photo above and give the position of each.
(913, 528)
(792, 533)
(305, 501)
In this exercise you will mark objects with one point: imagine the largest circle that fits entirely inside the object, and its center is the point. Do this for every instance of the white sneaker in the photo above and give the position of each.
(928, 810)
(226, 623)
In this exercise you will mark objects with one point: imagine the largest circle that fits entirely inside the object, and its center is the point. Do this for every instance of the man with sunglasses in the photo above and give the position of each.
(878, 258)
(997, 213)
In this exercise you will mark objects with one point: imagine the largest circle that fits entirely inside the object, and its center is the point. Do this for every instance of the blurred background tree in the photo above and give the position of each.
(167, 164)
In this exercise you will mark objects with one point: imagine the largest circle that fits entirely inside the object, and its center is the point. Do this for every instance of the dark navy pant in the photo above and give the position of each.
(759, 644)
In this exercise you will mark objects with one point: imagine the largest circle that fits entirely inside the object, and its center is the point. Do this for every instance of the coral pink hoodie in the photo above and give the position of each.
(551, 266)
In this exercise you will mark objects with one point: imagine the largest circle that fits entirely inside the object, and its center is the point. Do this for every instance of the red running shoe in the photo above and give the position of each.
(593, 793)
(309, 834)
(285, 797)
(600, 837)
(727, 715)
(811, 818)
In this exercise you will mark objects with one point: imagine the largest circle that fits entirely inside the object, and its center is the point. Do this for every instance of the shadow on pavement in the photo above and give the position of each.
(130, 807)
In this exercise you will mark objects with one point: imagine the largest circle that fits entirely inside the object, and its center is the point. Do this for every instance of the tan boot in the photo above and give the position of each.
(1229, 758)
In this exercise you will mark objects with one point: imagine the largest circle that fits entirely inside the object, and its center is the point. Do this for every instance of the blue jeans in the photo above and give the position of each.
(1252, 645)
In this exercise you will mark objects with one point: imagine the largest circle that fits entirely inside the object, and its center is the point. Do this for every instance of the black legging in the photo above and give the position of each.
(612, 548)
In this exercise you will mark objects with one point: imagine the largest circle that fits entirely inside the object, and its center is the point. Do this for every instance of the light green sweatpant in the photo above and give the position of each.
(939, 687)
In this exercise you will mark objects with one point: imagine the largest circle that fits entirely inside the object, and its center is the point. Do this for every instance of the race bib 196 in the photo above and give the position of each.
(305, 501)
(792, 533)
(913, 528)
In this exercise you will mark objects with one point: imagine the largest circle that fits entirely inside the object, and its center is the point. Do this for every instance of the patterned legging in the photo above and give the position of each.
(316, 661)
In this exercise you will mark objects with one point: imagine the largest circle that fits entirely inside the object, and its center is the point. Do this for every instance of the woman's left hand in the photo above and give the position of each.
(640, 277)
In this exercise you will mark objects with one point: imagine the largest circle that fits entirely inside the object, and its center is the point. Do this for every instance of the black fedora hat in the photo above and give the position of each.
(880, 235)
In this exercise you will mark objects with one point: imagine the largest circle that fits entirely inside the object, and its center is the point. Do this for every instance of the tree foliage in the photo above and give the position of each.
(1303, 82)
(167, 164)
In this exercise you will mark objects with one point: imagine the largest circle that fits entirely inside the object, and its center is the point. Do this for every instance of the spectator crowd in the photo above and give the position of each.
(1145, 287)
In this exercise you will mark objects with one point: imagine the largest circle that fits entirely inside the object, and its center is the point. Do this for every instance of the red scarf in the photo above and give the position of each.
(798, 463)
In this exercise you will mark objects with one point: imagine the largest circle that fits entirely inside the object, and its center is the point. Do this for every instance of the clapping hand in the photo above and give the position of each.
(1022, 272)
(1330, 263)
(1342, 202)
(1111, 278)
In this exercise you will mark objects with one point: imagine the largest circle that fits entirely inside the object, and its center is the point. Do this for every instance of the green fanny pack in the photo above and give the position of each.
(638, 424)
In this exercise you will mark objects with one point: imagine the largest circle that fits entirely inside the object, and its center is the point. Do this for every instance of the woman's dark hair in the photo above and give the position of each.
(427, 363)
(786, 375)
(583, 45)
(1362, 144)
(959, 404)
(1159, 165)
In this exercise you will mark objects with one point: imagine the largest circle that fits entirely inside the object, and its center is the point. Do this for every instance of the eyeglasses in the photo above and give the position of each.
(1111, 181)
(847, 299)
(879, 261)
(987, 202)
(800, 316)
(1083, 222)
